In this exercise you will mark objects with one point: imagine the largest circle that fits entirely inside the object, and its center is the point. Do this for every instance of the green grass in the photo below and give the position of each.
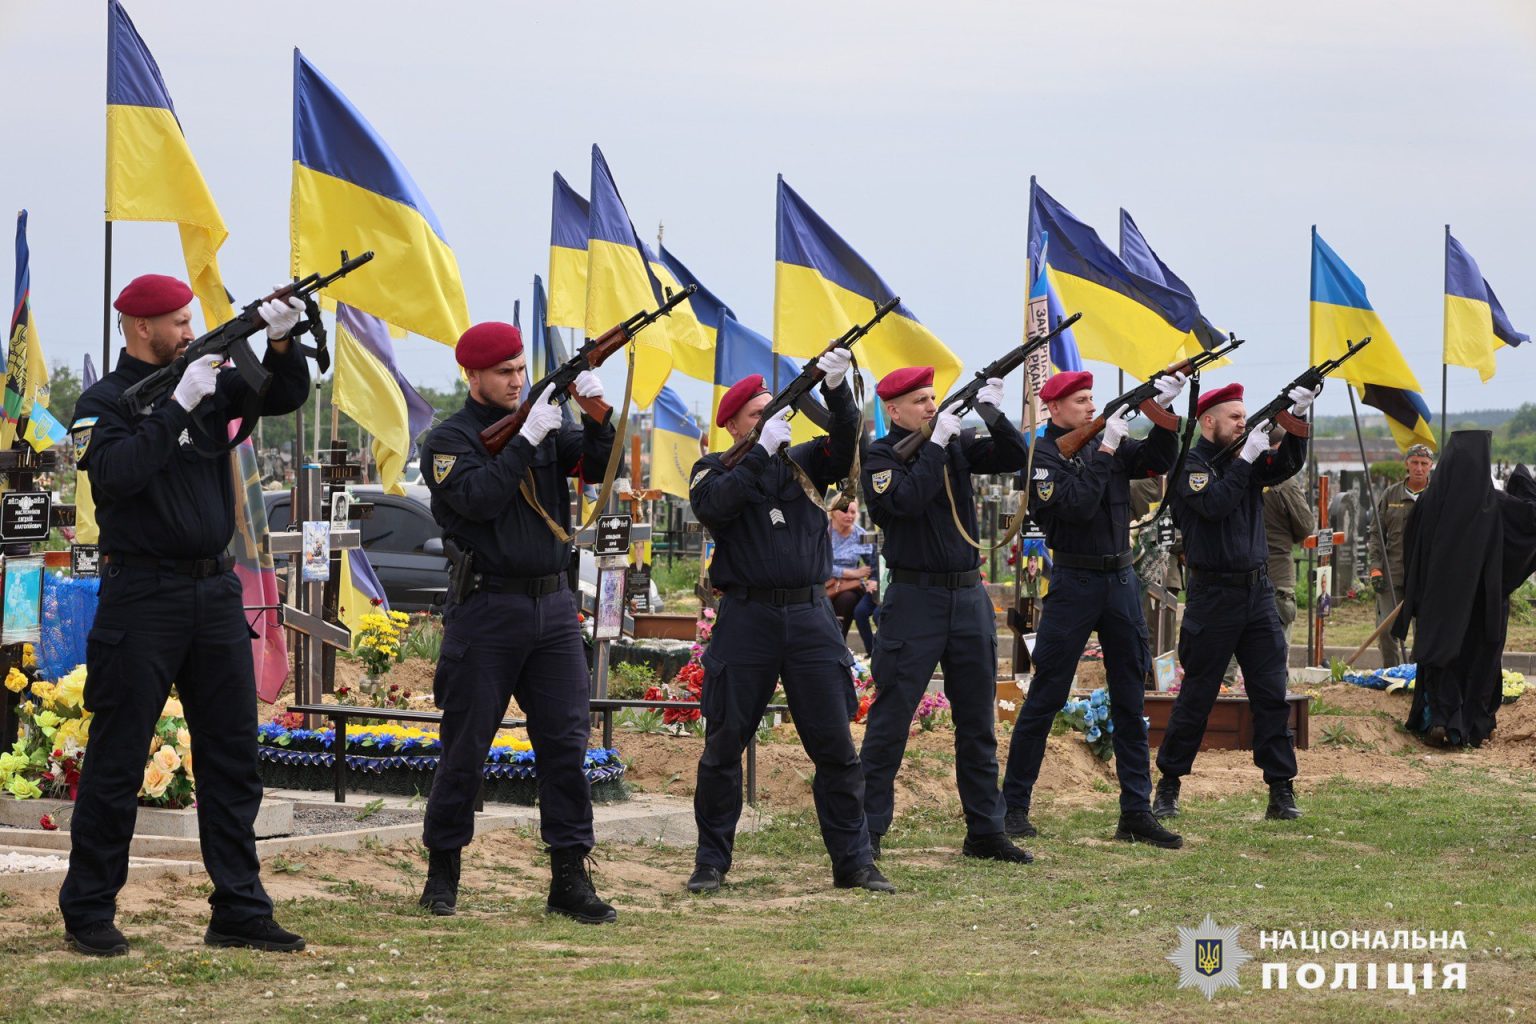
(1078, 936)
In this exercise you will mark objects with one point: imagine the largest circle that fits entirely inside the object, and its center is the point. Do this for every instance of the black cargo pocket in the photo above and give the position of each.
(450, 663)
(1189, 635)
(712, 695)
(103, 652)
(886, 661)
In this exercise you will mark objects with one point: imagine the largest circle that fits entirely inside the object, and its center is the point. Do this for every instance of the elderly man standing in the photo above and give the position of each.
(1392, 510)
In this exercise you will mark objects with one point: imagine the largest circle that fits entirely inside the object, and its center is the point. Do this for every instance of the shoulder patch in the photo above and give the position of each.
(80, 433)
(700, 475)
(1197, 481)
(1045, 488)
(442, 465)
(881, 480)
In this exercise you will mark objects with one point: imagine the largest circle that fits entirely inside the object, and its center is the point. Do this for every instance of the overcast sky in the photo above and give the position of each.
(1227, 129)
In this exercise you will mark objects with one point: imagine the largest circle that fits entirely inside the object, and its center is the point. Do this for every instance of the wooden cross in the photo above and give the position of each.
(304, 611)
(335, 473)
(1323, 541)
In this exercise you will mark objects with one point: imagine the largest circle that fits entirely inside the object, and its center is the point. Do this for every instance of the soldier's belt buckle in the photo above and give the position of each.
(780, 596)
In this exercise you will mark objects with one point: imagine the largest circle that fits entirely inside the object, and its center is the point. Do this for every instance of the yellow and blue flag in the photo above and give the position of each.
(1340, 314)
(370, 388)
(1045, 309)
(740, 352)
(1132, 321)
(1138, 254)
(26, 373)
(620, 282)
(86, 529)
(361, 592)
(543, 350)
(674, 444)
(350, 192)
(694, 324)
(151, 175)
(822, 287)
(568, 223)
(1476, 325)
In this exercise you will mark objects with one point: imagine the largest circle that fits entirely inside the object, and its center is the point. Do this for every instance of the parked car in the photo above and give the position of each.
(405, 547)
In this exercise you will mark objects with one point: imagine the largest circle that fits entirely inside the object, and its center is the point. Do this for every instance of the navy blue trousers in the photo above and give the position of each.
(154, 628)
(496, 647)
(1081, 601)
(921, 628)
(1220, 621)
(753, 647)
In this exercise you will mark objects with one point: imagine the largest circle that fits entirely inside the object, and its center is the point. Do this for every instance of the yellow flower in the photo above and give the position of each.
(167, 758)
(48, 721)
(172, 709)
(28, 656)
(155, 743)
(70, 691)
(23, 789)
(155, 781)
(15, 681)
(186, 762)
(183, 739)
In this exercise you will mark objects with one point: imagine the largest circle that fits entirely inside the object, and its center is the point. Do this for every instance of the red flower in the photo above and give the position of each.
(48, 824)
(375, 601)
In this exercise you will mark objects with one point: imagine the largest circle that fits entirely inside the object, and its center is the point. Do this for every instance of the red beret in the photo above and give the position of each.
(485, 345)
(740, 393)
(152, 295)
(1064, 384)
(1230, 393)
(899, 382)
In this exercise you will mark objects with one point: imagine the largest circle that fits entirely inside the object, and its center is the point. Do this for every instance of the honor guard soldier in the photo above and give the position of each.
(935, 609)
(511, 626)
(1084, 506)
(171, 611)
(1230, 607)
(1392, 510)
(772, 556)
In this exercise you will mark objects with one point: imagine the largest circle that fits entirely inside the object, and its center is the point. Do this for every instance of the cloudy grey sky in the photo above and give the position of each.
(1227, 129)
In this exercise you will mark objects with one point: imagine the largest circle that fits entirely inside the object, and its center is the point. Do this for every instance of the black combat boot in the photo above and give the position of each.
(256, 933)
(995, 847)
(1017, 823)
(1165, 802)
(441, 893)
(99, 938)
(706, 878)
(1142, 827)
(571, 892)
(1282, 802)
(866, 877)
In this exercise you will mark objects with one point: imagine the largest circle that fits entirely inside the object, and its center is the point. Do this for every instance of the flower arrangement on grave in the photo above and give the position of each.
(1514, 686)
(688, 684)
(49, 750)
(379, 645)
(1090, 717)
(863, 688)
(932, 712)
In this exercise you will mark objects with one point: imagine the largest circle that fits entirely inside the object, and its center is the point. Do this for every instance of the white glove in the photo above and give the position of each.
(835, 365)
(589, 384)
(543, 417)
(1115, 429)
(197, 382)
(281, 315)
(991, 393)
(1169, 387)
(1302, 398)
(1257, 443)
(946, 427)
(773, 433)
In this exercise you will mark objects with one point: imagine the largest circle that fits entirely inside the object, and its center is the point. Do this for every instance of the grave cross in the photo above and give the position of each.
(1322, 582)
(304, 611)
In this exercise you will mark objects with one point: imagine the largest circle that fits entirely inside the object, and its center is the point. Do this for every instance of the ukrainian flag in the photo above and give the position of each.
(694, 325)
(370, 388)
(351, 192)
(674, 444)
(1341, 313)
(822, 288)
(1134, 322)
(1138, 254)
(620, 282)
(26, 373)
(741, 352)
(1475, 323)
(151, 175)
(1045, 310)
(568, 257)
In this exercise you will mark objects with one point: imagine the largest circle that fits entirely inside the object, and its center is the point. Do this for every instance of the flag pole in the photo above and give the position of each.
(106, 306)
(1444, 369)
(1311, 452)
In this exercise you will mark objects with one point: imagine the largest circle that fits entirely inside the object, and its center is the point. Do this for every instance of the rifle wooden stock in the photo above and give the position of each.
(500, 434)
(907, 447)
(1071, 443)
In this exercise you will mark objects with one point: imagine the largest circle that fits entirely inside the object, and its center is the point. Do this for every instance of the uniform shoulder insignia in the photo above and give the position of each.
(442, 465)
(1197, 481)
(700, 475)
(1041, 473)
(881, 480)
(80, 433)
(1045, 488)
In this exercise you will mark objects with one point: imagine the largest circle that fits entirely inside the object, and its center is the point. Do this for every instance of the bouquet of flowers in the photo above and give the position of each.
(1514, 686)
(1090, 716)
(932, 711)
(378, 640)
(863, 688)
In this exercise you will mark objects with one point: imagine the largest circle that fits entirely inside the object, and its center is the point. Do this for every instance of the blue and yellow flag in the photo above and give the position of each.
(674, 444)
(151, 175)
(350, 192)
(822, 287)
(1045, 309)
(1138, 254)
(620, 282)
(693, 326)
(370, 388)
(1129, 320)
(26, 373)
(1476, 325)
(1341, 313)
(543, 349)
(740, 352)
(568, 223)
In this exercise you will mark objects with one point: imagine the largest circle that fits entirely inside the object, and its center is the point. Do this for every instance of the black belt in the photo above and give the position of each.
(948, 580)
(779, 595)
(1103, 563)
(534, 586)
(197, 568)
(1230, 579)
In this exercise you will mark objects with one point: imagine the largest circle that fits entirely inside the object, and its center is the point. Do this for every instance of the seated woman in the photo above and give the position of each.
(851, 589)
